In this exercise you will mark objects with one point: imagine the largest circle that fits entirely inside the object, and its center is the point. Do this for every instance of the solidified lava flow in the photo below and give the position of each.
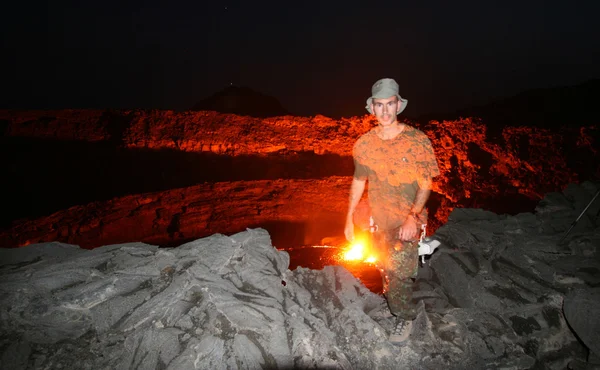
(100, 177)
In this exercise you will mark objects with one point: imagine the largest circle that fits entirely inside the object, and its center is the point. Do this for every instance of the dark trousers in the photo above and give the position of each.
(398, 262)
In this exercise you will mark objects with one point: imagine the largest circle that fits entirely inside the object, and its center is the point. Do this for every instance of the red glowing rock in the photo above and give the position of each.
(504, 171)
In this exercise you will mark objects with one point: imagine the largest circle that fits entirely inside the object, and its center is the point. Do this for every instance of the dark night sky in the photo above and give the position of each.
(315, 57)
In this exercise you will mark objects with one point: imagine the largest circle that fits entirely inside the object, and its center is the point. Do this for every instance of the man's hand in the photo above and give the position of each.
(349, 230)
(408, 230)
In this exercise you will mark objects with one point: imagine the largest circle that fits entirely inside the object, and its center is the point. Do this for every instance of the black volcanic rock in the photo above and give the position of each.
(491, 297)
(550, 108)
(242, 101)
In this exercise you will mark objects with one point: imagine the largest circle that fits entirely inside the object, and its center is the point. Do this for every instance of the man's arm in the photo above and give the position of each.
(410, 228)
(421, 199)
(356, 191)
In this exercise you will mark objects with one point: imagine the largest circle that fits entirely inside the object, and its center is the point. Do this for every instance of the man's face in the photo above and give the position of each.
(386, 110)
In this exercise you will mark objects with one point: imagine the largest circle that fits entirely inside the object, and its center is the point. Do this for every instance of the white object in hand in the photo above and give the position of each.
(426, 247)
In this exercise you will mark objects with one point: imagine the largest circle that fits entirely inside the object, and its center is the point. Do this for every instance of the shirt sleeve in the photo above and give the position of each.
(428, 167)
(361, 172)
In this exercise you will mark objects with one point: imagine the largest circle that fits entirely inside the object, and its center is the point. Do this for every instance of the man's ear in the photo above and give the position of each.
(372, 109)
(399, 106)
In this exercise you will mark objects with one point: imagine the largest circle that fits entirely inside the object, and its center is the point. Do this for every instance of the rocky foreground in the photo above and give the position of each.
(501, 292)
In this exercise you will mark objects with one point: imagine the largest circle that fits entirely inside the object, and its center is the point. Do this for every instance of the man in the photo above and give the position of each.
(399, 163)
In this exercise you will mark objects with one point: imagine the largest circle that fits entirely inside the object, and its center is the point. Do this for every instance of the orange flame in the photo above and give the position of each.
(359, 251)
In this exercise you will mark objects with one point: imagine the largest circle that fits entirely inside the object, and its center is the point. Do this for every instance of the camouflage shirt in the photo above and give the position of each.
(396, 169)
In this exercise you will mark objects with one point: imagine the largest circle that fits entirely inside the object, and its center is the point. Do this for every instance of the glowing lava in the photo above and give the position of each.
(358, 251)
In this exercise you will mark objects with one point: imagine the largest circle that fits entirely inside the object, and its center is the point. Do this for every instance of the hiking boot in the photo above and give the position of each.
(401, 331)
